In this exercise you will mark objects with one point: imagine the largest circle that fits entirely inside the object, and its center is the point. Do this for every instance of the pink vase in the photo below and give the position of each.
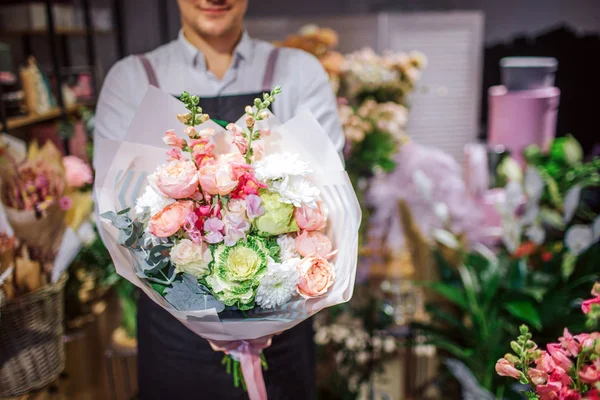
(520, 118)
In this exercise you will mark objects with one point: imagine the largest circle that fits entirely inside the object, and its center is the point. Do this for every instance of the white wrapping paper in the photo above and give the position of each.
(123, 166)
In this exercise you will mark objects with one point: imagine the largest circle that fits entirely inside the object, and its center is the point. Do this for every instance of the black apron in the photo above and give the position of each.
(175, 363)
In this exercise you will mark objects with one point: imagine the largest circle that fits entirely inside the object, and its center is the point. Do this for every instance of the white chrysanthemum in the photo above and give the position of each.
(297, 191)
(152, 200)
(287, 246)
(279, 284)
(279, 166)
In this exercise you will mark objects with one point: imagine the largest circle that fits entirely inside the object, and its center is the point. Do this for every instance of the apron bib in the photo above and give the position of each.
(175, 363)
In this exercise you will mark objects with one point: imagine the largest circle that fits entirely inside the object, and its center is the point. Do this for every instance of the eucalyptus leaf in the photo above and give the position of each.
(552, 217)
(185, 294)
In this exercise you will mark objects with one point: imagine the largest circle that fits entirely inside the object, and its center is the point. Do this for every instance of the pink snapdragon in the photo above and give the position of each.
(570, 343)
(506, 368)
(171, 139)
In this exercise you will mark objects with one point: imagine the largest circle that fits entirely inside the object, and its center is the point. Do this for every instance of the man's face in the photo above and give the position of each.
(213, 18)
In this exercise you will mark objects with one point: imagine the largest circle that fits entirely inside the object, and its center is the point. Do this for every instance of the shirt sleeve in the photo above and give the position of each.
(315, 94)
(117, 101)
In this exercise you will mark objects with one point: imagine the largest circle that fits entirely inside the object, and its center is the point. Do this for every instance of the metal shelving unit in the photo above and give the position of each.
(55, 34)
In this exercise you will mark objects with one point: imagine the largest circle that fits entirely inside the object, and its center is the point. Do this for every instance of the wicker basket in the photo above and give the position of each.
(31, 340)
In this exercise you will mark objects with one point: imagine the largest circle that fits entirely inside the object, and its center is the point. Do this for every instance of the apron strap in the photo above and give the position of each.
(152, 80)
(270, 70)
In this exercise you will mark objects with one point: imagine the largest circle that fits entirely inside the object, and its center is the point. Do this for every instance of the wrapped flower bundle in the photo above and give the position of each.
(242, 233)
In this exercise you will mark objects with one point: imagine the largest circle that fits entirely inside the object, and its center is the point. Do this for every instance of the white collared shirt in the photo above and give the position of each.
(179, 67)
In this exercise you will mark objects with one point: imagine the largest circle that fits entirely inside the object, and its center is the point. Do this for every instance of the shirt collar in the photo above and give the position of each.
(193, 56)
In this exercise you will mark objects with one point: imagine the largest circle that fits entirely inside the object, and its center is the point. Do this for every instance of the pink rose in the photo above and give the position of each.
(313, 243)
(586, 306)
(77, 172)
(559, 356)
(177, 179)
(589, 374)
(538, 376)
(171, 139)
(316, 277)
(167, 222)
(569, 343)
(310, 219)
(506, 368)
(217, 178)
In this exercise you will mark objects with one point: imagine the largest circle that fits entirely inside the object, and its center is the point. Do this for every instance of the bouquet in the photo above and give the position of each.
(242, 234)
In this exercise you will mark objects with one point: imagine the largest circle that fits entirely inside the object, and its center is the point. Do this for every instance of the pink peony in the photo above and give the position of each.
(171, 139)
(506, 368)
(569, 343)
(177, 179)
(77, 172)
(316, 277)
(589, 374)
(167, 222)
(217, 178)
(313, 243)
(559, 356)
(310, 219)
(586, 306)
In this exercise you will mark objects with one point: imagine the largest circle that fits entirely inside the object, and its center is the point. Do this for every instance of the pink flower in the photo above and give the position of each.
(569, 394)
(65, 203)
(545, 363)
(569, 343)
(77, 172)
(313, 243)
(506, 368)
(217, 179)
(561, 376)
(264, 133)
(235, 229)
(191, 228)
(202, 150)
(171, 139)
(167, 222)
(586, 306)
(248, 184)
(254, 206)
(549, 391)
(559, 356)
(175, 153)
(310, 219)
(316, 277)
(214, 230)
(593, 395)
(239, 140)
(596, 289)
(538, 376)
(589, 374)
(177, 179)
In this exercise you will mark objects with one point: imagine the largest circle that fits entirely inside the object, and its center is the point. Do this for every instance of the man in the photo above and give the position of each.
(214, 58)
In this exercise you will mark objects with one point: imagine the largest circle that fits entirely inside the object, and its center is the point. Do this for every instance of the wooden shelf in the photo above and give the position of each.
(59, 31)
(54, 113)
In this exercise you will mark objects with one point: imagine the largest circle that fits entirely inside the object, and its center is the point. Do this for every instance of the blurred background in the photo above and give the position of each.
(483, 93)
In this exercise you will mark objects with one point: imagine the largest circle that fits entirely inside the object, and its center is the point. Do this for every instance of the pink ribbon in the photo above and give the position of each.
(247, 352)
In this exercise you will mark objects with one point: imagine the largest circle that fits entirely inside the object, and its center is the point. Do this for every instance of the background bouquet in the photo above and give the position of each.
(234, 235)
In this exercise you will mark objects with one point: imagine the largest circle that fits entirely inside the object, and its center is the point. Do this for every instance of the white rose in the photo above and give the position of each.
(191, 258)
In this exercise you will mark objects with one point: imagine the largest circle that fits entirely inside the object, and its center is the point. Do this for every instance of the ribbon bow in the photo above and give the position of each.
(247, 352)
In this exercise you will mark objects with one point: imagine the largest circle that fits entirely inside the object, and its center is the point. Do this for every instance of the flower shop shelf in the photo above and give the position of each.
(31, 119)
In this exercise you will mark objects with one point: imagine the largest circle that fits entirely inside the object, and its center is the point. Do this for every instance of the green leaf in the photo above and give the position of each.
(452, 293)
(524, 311)
(567, 266)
